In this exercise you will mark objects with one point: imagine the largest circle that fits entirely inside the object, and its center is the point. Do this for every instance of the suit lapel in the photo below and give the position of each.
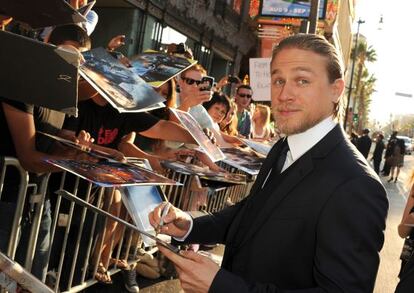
(256, 188)
(299, 170)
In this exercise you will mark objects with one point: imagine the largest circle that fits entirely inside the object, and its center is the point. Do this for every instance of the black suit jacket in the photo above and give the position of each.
(364, 145)
(319, 231)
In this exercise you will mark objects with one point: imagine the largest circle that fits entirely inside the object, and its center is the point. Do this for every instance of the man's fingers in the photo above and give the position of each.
(189, 254)
(179, 261)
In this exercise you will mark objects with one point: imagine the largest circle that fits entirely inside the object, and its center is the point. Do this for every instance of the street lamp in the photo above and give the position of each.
(352, 73)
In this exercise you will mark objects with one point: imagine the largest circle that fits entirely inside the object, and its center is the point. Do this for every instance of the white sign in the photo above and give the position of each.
(260, 78)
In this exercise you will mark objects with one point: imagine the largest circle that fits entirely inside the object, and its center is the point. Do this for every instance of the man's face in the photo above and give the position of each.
(189, 82)
(243, 98)
(302, 95)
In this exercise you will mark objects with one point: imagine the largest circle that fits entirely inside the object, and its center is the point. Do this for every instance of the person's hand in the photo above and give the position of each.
(196, 272)
(210, 135)
(176, 222)
(116, 42)
(193, 97)
(223, 82)
(208, 162)
(84, 139)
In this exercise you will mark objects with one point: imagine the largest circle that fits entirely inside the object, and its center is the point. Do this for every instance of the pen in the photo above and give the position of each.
(164, 213)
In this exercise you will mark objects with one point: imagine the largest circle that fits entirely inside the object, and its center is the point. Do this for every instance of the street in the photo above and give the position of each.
(390, 264)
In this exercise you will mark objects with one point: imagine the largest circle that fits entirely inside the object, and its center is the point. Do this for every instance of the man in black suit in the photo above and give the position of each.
(364, 143)
(315, 217)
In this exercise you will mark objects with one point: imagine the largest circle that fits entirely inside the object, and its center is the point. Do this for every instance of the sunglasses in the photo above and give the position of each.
(191, 81)
(245, 96)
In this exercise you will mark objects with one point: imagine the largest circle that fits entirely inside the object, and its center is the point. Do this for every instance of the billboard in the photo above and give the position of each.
(291, 8)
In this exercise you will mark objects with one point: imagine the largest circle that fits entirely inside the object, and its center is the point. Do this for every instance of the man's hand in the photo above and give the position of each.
(176, 222)
(196, 272)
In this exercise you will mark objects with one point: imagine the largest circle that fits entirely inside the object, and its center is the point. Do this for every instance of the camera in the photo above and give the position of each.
(207, 83)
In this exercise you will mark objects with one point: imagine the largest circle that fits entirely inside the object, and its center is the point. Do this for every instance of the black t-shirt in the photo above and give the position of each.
(106, 125)
(45, 120)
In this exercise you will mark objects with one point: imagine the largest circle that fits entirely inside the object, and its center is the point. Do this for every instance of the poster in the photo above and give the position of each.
(244, 160)
(204, 173)
(259, 69)
(37, 73)
(106, 173)
(291, 8)
(123, 89)
(211, 150)
(157, 68)
(262, 148)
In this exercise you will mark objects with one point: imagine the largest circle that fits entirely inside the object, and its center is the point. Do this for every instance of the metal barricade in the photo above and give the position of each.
(82, 220)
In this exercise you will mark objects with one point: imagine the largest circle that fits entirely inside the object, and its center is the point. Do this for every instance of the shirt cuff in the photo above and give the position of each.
(182, 239)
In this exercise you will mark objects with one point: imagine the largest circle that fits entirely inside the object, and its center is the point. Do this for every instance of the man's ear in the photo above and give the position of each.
(337, 89)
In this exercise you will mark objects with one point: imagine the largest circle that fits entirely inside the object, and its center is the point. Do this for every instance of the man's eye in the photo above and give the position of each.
(278, 82)
(303, 81)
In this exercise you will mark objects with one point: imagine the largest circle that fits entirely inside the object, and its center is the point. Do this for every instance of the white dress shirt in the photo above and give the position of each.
(302, 142)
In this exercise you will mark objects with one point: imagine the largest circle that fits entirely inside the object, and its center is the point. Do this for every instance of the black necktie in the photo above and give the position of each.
(282, 157)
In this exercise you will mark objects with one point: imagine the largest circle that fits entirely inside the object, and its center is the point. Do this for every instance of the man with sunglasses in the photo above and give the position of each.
(243, 98)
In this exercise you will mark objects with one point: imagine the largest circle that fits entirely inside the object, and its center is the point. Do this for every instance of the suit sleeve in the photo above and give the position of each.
(349, 238)
(212, 228)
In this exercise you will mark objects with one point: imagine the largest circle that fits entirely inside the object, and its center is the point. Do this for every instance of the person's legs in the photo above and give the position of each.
(377, 166)
(112, 203)
(397, 173)
(391, 174)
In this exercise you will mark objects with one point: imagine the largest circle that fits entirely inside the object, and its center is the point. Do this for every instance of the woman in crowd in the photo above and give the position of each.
(407, 256)
(218, 108)
(229, 124)
(261, 123)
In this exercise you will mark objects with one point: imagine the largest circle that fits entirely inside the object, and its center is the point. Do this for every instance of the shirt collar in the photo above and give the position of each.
(302, 142)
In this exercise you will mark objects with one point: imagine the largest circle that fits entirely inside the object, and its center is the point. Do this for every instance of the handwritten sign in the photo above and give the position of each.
(260, 78)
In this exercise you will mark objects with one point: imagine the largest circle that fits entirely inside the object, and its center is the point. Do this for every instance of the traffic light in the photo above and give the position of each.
(355, 118)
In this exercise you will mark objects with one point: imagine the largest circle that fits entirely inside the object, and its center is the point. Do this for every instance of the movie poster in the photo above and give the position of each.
(123, 89)
(157, 68)
(246, 161)
(106, 173)
(204, 173)
(211, 150)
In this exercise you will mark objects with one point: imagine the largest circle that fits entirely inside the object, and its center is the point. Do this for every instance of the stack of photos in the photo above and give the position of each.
(262, 148)
(203, 173)
(121, 87)
(188, 121)
(156, 68)
(109, 173)
(245, 160)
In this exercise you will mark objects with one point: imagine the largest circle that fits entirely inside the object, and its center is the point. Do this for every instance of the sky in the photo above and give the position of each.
(394, 44)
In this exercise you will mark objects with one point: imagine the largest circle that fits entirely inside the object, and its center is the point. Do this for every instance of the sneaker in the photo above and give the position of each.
(130, 280)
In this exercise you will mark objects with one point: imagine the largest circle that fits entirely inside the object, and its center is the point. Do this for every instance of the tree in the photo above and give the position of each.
(364, 82)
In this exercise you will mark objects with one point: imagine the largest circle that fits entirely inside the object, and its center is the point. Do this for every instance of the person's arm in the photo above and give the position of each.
(231, 139)
(128, 147)
(23, 132)
(408, 217)
(168, 130)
